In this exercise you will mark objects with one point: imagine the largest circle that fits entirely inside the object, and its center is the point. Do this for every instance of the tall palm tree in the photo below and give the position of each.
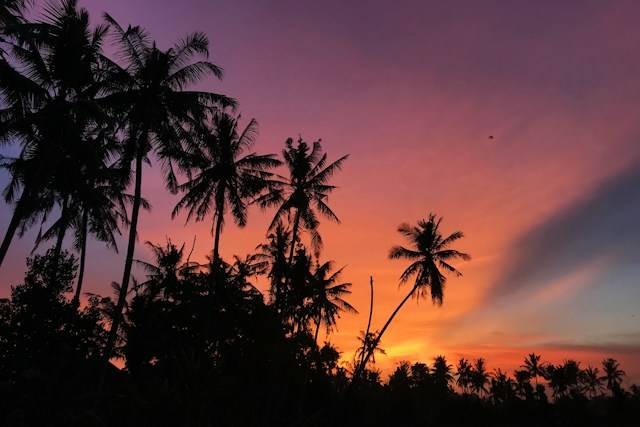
(148, 93)
(226, 176)
(327, 297)
(49, 89)
(533, 365)
(304, 191)
(612, 375)
(430, 252)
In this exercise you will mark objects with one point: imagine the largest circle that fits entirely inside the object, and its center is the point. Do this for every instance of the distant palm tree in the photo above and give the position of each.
(368, 344)
(327, 297)
(226, 176)
(612, 375)
(148, 95)
(274, 253)
(166, 271)
(479, 377)
(441, 373)
(591, 381)
(304, 191)
(533, 366)
(429, 253)
(463, 372)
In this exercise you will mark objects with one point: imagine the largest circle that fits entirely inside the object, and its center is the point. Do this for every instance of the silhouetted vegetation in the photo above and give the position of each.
(198, 344)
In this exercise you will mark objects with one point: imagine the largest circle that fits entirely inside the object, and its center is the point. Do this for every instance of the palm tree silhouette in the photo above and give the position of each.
(327, 297)
(274, 253)
(612, 375)
(441, 373)
(591, 381)
(368, 344)
(304, 191)
(167, 270)
(463, 372)
(479, 377)
(148, 95)
(430, 253)
(49, 90)
(226, 177)
(533, 365)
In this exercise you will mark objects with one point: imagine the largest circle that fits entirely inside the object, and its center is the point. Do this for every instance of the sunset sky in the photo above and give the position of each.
(413, 90)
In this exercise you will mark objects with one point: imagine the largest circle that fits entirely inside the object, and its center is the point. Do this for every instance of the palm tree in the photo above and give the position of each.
(430, 253)
(463, 372)
(168, 269)
(49, 89)
(304, 191)
(148, 94)
(274, 253)
(479, 377)
(368, 344)
(591, 381)
(226, 177)
(612, 375)
(441, 373)
(533, 366)
(327, 297)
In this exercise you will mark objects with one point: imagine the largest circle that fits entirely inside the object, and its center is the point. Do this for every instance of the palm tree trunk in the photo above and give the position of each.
(124, 285)
(366, 334)
(294, 236)
(216, 240)
(382, 331)
(11, 229)
(315, 339)
(63, 229)
(83, 254)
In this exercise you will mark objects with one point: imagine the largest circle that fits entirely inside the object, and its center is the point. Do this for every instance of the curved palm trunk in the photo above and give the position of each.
(124, 285)
(382, 331)
(366, 334)
(216, 240)
(294, 236)
(83, 254)
(11, 229)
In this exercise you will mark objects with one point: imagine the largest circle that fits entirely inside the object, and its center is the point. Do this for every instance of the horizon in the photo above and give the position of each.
(517, 124)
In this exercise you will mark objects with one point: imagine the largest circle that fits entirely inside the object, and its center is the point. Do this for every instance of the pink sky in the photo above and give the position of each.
(412, 90)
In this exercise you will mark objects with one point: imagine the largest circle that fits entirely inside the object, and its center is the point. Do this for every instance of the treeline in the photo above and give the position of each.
(200, 344)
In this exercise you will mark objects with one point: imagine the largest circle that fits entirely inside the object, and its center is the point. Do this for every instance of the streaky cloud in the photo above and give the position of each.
(602, 225)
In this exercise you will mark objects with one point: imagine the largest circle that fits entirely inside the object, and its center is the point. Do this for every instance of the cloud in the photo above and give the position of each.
(601, 226)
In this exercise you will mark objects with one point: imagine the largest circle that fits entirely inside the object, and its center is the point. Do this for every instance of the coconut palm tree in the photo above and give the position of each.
(533, 365)
(367, 343)
(479, 377)
(612, 375)
(463, 372)
(166, 271)
(327, 297)
(226, 177)
(430, 253)
(274, 253)
(304, 192)
(591, 381)
(49, 89)
(441, 373)
(148, 94)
